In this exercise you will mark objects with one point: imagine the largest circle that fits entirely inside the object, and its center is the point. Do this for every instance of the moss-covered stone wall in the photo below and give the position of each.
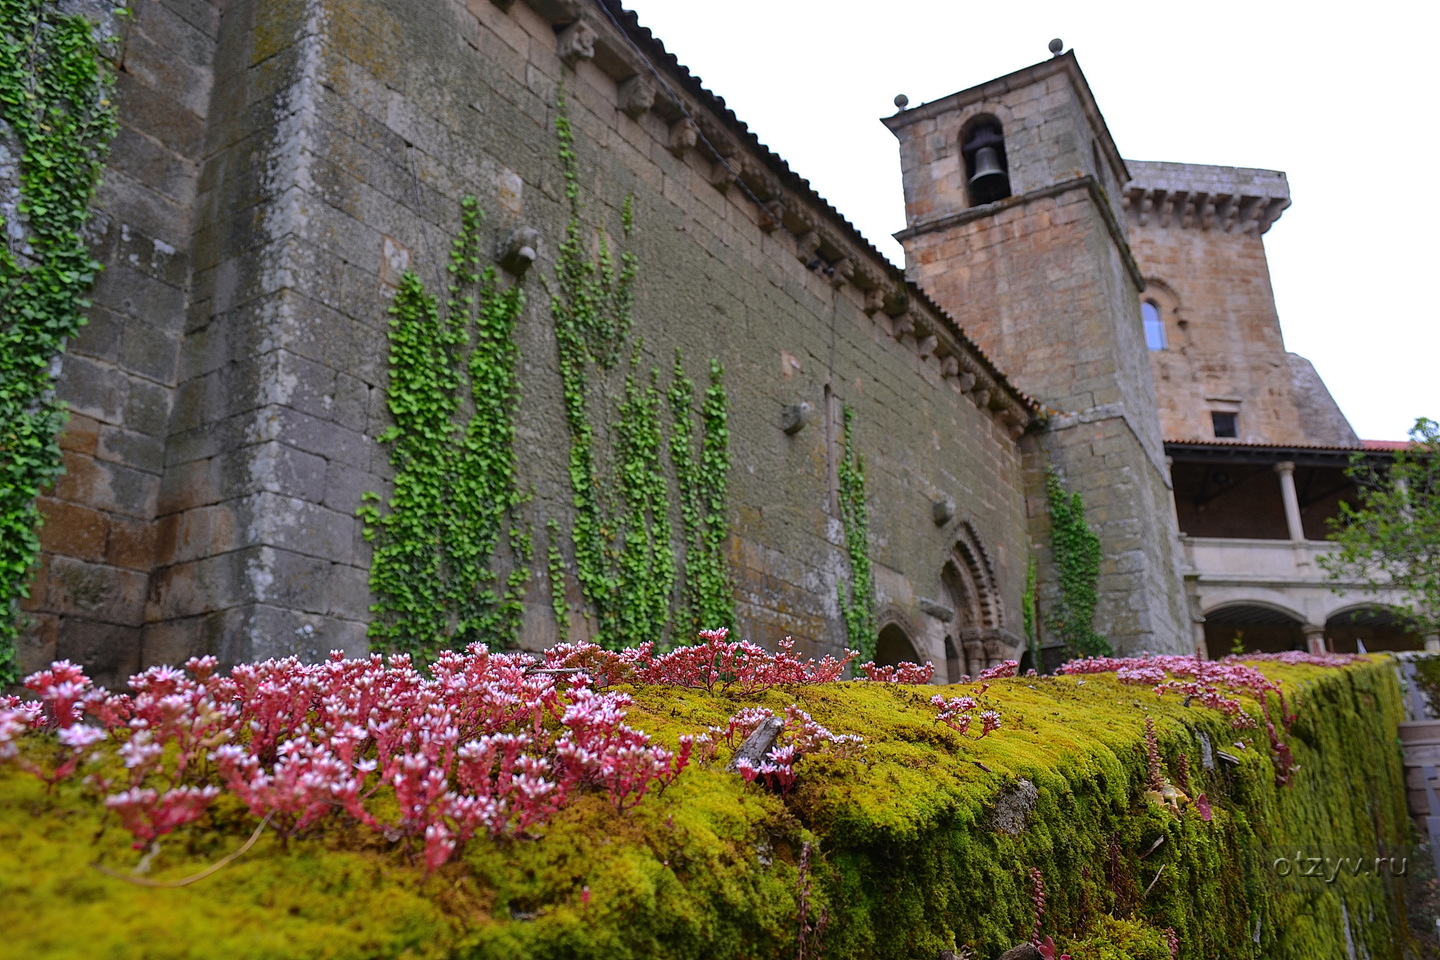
(926, 842)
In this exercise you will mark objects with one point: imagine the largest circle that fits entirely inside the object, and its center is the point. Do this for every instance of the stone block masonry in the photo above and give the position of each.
(230, 388)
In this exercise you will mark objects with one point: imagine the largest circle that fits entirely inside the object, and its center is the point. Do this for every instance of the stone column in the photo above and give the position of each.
(1314, 637)
(1286, 470)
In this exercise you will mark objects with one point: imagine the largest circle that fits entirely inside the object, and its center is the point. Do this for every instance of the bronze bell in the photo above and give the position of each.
(989, 178)
(985, 151)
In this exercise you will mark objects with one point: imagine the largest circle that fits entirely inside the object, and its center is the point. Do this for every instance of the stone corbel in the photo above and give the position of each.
(903, 326)
(937, 610)
(1232, 215)
(841, 272)
(519, 250)
(1013, 422)
(757, 177)
(718, 137)
(981, 396)
(807, 246)
(772, 216)
(1147, 203)
(577, 42)
(637, 96)
(949, 367)
(721, 174)
(683, 136)
(925, 346)
(1189, 211)
(568, 9)
(897, 301)
(1167, 211)
(874, 300)
(1207, 214)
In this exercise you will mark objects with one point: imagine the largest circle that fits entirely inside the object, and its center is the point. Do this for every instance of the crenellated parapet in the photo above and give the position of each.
(1194, 196)
(698, 128)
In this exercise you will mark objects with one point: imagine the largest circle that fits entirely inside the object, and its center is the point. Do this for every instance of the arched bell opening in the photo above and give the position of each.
(987, 169)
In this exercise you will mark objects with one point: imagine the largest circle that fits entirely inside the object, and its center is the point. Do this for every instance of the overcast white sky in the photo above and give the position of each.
(1342, 97)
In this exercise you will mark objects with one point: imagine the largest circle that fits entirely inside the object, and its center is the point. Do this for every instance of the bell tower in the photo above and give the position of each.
(1013, 225)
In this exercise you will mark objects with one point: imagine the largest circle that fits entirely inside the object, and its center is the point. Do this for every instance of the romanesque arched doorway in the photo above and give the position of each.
(973, 640)
(894, 646)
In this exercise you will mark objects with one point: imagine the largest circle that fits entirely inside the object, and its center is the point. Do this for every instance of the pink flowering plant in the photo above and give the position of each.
(965, 713)
(484, 745)
(800, 737)
(916, 673)
(1219, 685)
(479, 744)
(716, 664)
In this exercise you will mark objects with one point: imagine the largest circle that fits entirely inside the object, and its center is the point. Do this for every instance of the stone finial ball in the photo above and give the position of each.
(901, 101)
(1056, 46)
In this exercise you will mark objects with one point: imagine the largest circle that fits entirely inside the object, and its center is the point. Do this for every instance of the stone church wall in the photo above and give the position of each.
(331, 154)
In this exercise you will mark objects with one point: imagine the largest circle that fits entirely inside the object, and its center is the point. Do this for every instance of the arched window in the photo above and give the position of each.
(1154, 325)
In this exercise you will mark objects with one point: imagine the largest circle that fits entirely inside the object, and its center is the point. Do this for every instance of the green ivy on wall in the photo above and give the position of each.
(1076, 552)
(858, 608)
(453, 393)
(1028, 611)
(709, 593)
(55, 108)
(645, 561)
(625, 561)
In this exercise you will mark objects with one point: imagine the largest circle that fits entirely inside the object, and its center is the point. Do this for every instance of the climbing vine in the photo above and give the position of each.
(625, 561)
(645, 561)
(1076, 551)
(709, 593)
(453, 394)
(1028, 612)
(555, 571)
(858, 608)
(56, 121)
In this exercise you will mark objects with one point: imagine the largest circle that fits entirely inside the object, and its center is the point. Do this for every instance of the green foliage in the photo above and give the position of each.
(453, 394)
(645, 564)
(709, 593)
(1076, 552)
(1027, 611)
(858, 606)
(54, 102)
(625, 561)
(906, 857)
(1391, 538)
(555, 570)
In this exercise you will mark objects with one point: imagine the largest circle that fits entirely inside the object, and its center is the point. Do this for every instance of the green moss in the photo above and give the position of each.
(907, 860)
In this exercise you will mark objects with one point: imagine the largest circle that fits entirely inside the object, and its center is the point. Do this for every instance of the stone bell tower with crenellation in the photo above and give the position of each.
(1014, 225)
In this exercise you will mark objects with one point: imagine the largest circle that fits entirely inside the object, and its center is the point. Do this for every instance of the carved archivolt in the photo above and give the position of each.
(976, 637)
